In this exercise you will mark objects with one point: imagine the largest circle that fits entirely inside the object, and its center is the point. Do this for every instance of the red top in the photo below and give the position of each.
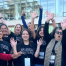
(5, 56)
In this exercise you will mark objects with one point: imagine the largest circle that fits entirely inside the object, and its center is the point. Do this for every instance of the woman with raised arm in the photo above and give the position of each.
(37, 36)
(28, 26)
(54, 51)
(7, 34)
(28, 50)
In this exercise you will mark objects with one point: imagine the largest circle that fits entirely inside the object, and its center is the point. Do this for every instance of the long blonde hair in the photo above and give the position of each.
(15, 29)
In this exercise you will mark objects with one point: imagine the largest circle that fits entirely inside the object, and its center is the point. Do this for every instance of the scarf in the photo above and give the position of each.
(58, 51)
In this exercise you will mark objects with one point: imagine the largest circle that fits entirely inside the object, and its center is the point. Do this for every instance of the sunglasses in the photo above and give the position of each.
(57, 32)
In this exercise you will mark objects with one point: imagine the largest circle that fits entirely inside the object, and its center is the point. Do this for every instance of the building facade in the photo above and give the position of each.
(11, 10)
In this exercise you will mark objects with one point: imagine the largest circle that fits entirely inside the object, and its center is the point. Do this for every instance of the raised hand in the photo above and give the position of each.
(49, 15)
(16, 55)
(13, 42)
(39, 42)
(23, 13)
(63, 24)
(33, 15)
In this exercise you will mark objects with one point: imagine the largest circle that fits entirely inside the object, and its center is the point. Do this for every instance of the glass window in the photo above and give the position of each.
(59, 8)
(37, 5)
(18, 1)
(12, 10)
(23, 7)
(51, 6)
(6, 3)
(6, 12)
(17, 9)
(64, 13)
(1, 4)
(29, 8)
(1, 8)
(1, 0)
(44, 6)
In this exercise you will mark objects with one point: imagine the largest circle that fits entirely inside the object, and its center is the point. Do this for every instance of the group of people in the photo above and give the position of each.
(30, 47)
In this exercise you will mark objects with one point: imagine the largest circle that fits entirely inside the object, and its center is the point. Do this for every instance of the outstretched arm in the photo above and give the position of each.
(23, 20)
(47, 36)
(40, 16)
(5, 57)
(8, 57)
(33, 16)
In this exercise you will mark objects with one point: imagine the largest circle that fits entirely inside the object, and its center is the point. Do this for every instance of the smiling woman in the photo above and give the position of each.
(53, 54)
(28, 49)
(5, 50)
(4, 29)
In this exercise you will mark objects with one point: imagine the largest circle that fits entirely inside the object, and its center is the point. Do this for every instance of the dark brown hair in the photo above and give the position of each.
(22, 42)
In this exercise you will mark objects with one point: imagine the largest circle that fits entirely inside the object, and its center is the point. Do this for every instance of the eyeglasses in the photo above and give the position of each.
(58, 32)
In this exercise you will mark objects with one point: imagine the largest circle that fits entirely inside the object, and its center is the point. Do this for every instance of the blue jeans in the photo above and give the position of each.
(38, 65)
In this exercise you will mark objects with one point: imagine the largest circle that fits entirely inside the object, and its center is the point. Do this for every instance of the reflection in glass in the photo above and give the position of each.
(44, 6)
(23, 7)
(1, 4)
(64, 8)
(17, 0)
(17, 13)
(6, 12)
(64, 14)
(29, 8)
(6, 3)
(12, 10)
(1, 8)
(36, 6)
(17, 10)
(59, 8)
(1, 0)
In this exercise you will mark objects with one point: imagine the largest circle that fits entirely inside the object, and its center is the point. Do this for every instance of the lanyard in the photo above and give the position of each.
(53, 51)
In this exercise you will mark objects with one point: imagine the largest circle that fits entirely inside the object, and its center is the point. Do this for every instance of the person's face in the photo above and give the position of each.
(18, 29)
(29, 26)
(25, 35)
(58, 35)
(4, 29)
(1, 34)
(41, 32)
